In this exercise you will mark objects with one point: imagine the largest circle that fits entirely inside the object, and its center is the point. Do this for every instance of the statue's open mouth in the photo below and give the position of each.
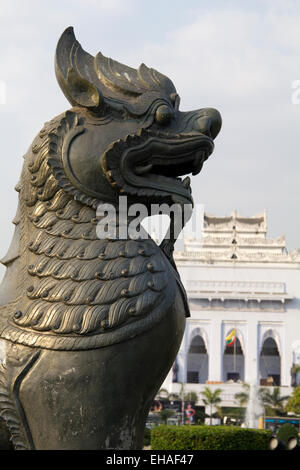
(153, 164)
(166, 171)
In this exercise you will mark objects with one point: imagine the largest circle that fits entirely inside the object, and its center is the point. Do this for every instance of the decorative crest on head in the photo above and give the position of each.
(90, 82)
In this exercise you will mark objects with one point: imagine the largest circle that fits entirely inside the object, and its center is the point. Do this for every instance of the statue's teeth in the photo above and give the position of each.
(186, 182)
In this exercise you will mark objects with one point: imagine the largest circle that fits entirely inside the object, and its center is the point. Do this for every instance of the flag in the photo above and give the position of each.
(230, 339)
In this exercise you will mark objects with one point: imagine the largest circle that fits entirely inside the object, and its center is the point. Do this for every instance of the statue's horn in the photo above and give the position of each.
(86, 80)
(75, 72)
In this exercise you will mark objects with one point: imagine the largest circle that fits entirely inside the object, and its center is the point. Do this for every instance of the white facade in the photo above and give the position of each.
(235, 277)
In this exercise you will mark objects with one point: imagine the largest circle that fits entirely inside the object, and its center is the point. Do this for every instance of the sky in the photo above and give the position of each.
(241, 57)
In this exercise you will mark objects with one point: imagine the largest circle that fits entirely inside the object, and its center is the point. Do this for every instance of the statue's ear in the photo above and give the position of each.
(81, 92)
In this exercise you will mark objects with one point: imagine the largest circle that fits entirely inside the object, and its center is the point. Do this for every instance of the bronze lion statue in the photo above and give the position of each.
(90, 326)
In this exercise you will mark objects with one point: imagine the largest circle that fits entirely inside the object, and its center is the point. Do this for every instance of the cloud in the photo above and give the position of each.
(243, 63)
(227, 51)
(238, 59)
(115, 6)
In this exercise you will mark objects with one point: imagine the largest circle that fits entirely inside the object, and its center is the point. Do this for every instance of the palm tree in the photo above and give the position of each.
(293, 404)
(163, 393)
(273, 401)
(211, 398)
(243, 397)
(190, 397)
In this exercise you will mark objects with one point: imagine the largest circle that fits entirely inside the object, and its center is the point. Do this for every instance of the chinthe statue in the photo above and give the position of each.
(90, 326)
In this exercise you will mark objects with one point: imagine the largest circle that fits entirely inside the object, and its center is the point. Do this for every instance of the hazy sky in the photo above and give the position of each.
(240, 57)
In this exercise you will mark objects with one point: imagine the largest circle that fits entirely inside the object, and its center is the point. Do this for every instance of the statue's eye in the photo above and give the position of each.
(163, 115)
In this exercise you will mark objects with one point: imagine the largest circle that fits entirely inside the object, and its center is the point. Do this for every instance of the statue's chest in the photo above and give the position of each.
(82, 292)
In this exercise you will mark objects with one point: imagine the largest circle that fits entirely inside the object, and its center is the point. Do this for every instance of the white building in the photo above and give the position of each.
(237, 278)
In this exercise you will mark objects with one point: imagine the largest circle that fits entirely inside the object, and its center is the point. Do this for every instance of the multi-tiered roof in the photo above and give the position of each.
(231, 242)
(236, 238)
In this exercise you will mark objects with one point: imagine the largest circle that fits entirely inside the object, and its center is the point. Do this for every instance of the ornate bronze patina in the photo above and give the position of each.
(90, 327)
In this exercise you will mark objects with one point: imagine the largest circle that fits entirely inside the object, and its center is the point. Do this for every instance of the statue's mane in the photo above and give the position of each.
(79, 291)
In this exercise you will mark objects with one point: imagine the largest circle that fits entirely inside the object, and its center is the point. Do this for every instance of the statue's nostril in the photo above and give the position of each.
(209, 122)
(203, 125)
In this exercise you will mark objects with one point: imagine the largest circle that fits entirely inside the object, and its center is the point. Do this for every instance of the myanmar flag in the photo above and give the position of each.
(230, 339)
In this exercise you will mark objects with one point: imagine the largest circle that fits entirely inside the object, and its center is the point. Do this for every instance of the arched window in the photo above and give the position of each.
(197, 361)
(270, 363)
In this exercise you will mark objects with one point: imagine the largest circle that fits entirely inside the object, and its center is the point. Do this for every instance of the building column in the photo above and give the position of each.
(215, 352)
(285, 370)
(285, 362)
(182, 358)
(252, 353)
(181, 363)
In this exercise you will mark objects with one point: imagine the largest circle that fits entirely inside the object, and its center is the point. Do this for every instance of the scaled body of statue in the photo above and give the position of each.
(90, 326)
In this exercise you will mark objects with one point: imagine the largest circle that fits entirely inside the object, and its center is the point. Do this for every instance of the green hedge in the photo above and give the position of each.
(147, 437)
(209, 438)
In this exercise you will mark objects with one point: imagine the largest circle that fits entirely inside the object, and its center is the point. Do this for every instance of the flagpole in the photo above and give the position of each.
(234, 350)
(234, 354)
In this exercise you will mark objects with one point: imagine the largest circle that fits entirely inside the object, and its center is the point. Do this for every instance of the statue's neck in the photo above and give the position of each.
(116, 223)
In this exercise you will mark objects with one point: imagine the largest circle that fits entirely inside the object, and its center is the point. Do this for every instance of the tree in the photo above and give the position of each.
(243, 397)
(190, 397)
(293, 404)
(163, 394)
(211, 399)
(273, 401)
(182, 396)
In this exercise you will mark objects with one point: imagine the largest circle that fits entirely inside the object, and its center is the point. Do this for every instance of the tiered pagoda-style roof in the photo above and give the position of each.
(236, 238)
